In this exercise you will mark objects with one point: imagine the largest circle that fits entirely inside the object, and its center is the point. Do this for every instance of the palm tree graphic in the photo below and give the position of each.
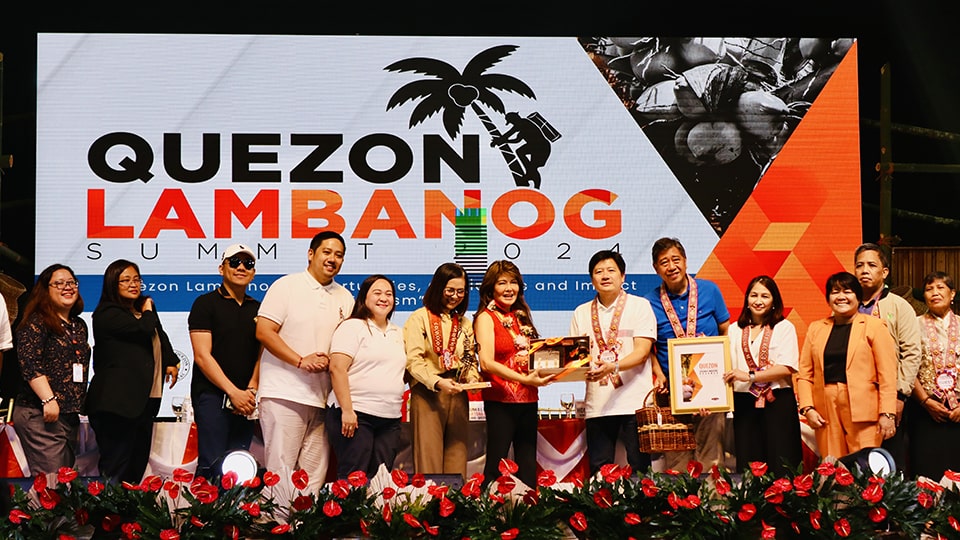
(452, 92)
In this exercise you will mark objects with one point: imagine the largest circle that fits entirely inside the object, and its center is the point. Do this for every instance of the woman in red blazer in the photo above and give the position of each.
(847, 381)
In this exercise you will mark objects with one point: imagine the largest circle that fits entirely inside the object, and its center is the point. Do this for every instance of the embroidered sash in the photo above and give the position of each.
(436, 331)
(762, 391)
(691, 310)
(609, 347)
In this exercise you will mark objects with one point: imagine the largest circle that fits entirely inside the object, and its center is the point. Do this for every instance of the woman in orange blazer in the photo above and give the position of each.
(847, 381)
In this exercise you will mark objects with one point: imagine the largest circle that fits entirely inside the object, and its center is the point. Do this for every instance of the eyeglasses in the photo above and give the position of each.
(127, 281)
(236, 261)
(61, 284)
(454, 292)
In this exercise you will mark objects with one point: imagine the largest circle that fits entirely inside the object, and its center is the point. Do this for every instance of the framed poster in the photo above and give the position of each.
(696, 373)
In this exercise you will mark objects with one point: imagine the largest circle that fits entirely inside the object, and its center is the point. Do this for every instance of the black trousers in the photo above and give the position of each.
(770, 434)
(511, 424)
(124, 443)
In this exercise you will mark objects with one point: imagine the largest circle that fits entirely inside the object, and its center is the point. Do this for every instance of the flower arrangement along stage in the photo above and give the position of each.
(829, 502)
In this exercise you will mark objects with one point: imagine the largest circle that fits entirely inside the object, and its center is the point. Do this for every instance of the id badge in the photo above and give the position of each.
(77, 372)
(608, 357)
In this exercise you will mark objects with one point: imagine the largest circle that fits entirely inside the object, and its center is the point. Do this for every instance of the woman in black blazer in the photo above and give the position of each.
(131, 358)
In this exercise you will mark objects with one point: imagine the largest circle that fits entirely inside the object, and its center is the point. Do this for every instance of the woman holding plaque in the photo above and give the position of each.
(622, 329)
(847, 375)
(935, 414)
(503, 329)
(765, 353)
(439, 343)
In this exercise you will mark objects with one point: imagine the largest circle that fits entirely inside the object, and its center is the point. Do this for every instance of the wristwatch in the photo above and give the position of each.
(753, 376)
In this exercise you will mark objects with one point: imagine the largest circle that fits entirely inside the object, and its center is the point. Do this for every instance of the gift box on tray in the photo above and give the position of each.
(566, 357)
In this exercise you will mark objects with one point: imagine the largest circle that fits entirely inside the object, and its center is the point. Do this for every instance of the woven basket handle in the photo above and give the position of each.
(654, 403)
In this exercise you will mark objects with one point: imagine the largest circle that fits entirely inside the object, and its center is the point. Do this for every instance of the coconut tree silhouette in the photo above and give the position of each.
(451, 92)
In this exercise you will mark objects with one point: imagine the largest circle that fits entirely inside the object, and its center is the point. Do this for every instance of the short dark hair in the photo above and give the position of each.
(939, 276)
(844, 280)
(433, 298)
(869, 246)
(605, 254)
(326, 235)
(494, 271)
(772, 317)
(39, 300)
(664, 244)
(360, 309)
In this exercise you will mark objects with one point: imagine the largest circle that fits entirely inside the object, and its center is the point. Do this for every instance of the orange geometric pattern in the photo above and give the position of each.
(803, 220)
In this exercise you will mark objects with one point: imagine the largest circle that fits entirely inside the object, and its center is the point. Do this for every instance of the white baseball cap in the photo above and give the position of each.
(236, 249)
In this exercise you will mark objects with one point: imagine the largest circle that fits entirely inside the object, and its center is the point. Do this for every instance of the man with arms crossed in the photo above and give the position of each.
(223, 326)
(872, 268)
(687, 307)
(295, 324)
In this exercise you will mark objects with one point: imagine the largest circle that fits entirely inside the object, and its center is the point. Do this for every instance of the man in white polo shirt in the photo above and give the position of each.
(295, 324)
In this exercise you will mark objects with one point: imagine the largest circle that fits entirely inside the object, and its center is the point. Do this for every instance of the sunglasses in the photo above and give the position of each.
(237, 260)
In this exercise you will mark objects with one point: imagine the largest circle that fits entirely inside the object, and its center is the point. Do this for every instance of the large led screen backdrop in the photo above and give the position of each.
(165, 149)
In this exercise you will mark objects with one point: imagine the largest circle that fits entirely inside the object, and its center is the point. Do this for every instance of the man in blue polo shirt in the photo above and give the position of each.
(687, 307)
(223, 326)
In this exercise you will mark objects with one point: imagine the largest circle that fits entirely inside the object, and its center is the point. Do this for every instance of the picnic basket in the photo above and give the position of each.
(659, 430)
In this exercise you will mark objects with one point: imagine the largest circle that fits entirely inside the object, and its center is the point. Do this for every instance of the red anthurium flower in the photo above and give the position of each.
(758, 468)
(785, 485)
(432, 530)
(673, 500)
(925, 499)
(152, 483)
(270, 479)
(332, 509)
(130, 487)
(281, 529)
(877, 514)
(925, 483)
(182, 475)
(131, 531)
(767, 532)
(505, 484)
(18, 516)
(672, 472)
(64, 536)
(340, 489)
(694, 468)
(826, 469)
(804, 482)
(301, 503)
(195, 521)
(447, 507)
(954, 523)
(66, 474)
(773, 495)
(437, 490)
(411, 520)
(229, 479)
(747, 512)
(497, 498)
(82, 516)
(169, 484)
(842, 527)
(419, 480)
(507, 466)
(546, 478)
(873, 494)
(95, 488)
(174, 491)
(49, 499)
(39, 482)
(357, 478)
(843, 477)
(952, 475)
(509, 534)
(206, 493)
(578, 521)
(169, 534)
(815, 519)
(603, 498)
(399, 478)
(632, 519)
(110, 522)
(388, 493)
(364, 528)
(649, 488)
(722, 486)
(232, 531)
(531, 498)
(300, 479)
(251, 482)
(691, 501)
(795, 526)
(722, 517)
(251, 508)
(609, 470)
(715, 472)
